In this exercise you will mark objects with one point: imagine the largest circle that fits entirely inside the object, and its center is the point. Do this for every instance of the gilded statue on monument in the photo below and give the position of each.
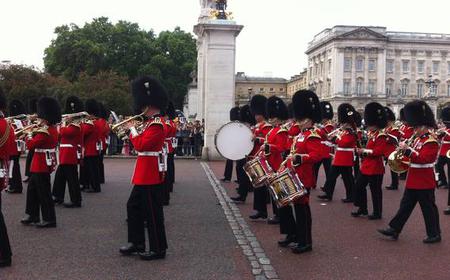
(214, 9)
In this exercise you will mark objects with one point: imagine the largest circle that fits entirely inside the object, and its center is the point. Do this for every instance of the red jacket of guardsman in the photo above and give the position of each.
(276, 139)
(171, 133)
(422, 155)
(323, 131)
(372, 162)
(91, 130)
(44, 143)
(394, 135)
(7, 148)
(70, 139)
(102, 124)
(260, 131)
(293, 131)
(406, 132)
(345, 148)
(149, 145)
(309, 147)
(445, 142)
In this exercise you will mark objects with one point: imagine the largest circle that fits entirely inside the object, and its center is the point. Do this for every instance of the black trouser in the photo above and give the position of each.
(300, 225)
(260, 199)
(244, 181)
(91, 177)
(326, 166)
(228, 173)
(428, 206)
(347, 177)
(374, 182)
(171, 170)
(394, 178)
(39, 196)
(145, 204)
(67, 173)
(5, 248)
(28, 163)
(356, 168)
(443, 160)
(15, 182)
(101, 168)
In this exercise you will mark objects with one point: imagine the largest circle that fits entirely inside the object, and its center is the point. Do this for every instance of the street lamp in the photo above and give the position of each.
(250, 91)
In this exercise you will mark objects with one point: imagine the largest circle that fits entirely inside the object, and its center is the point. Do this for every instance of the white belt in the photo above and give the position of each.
(345, 149)
(428, 165)
(65, 145)
(45, 150)
(168, 139)
(445, 142)
(148, 154)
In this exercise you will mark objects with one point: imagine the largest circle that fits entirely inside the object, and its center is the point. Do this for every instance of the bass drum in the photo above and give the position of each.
(234, 141)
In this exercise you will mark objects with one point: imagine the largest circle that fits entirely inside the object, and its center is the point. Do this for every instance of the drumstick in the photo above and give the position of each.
(293, 211)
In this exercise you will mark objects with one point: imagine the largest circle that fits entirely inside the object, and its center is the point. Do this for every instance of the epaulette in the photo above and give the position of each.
(168, 123)
(89, 122)
(156, 120)
(75, 124)
(382, 133)
(431, 139)
(43, 129)
(281, 130)
(314, 134)
(266, 124)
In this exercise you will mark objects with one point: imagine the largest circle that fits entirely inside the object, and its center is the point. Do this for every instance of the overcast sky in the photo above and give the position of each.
(273, 41)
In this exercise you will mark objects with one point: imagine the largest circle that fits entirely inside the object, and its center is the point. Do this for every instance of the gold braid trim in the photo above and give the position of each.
(5, 136)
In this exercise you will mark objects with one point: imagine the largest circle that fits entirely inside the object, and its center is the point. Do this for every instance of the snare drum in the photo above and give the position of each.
(285, 187)
(258, 170)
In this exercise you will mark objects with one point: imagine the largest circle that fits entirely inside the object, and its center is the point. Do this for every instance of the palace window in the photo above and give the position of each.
(360, 65)
(448, 68)
(346, 87)
(389, 85)
(371, 88)
(420, 66)
(281, 89)
(404, 88)
(271, 89)
(261, 89)
(347, 64)
(329, 66)
(390, 66)
(435, 67)
(405, 66)
(420, 86)
(359, 86)
(448, 89)
(372, 65)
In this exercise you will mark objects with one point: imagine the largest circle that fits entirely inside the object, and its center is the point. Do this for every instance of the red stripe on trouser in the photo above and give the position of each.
(154, 223)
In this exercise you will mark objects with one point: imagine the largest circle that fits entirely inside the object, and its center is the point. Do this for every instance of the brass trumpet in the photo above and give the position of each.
(21, 133)
(75, 118)
(122, 129)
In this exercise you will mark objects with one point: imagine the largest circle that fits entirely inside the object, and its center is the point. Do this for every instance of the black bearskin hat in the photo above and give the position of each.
(375, 115)
(290, 110)
(16, 107)
(48, 109)
(3, 102)
(103, 113)
(358, 119)
(402, 115)
(346, 113)
(276, 108)
(92, 107)
(418, 113)
(258, 105)
(445, 115)
(326, 110)
(32, 106)
(73, 105)
(247, 116)
(170, 111)
(235, 114)
(389, 114)
(147, 91)
(306, 105)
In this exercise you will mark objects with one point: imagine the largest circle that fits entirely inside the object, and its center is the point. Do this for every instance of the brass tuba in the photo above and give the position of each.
(121, 129)
(397, 161)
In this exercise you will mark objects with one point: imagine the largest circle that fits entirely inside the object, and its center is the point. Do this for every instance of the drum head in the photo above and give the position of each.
(234, 141)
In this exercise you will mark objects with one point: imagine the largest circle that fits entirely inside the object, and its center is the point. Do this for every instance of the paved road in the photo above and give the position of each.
(85, 244)
(350, 248)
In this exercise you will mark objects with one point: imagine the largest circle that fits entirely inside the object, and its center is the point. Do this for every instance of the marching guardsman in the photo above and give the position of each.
(16, 108)
(32, 109)
(102, 122)
(345, 141)
(305, 152)
(406, 130)
(392, 130)
(43, 140)
(67, 171)
(245, 185)
(91, 131)
(292, 129)
(421, 151)
(274, 145)
(146, 199)
(444, 135)
(228, 173)
(260, 131)
(7, 146)
(169, 116)
(360, 136)
(372, 163)
(325, 128)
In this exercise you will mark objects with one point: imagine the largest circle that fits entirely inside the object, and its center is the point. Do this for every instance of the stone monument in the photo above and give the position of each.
(216, 46)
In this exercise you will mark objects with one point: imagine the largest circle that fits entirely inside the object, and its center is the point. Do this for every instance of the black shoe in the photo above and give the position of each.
(5, 262)
(91, 191)
(389, 232)
(275, 220)
(258, 215)
(58, 201)
(302, 249)
(441, 184)
(447, 211)
(431, 240)
(236, 181)
(13, 191)
(26, 180)
(444, 187)
(374, 217)
(238, 199)
(324, 197)
(391, 188)
(29, 220)
(347, 200)
(131, 249)
(359, 212)
(288, 240)
(166, 203)
(152, 255)
(46, 224)
(72, 205)
(225, 180)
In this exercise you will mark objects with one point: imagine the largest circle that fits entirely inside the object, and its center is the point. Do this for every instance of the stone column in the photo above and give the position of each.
(216, 81)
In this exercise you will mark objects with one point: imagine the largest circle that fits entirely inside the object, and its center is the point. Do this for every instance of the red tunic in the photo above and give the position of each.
(70, 138)
(421, 174)
(293, 131)
(345, 148)
(276, 139)
(146, 171)
(91, 137)
(406, 132)
(104, 132)
(7, 148)
(327, 146)
(372, 160)
(394, 137)
(41, 142)
(259, 132)
(171, 133)
(445, 143)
